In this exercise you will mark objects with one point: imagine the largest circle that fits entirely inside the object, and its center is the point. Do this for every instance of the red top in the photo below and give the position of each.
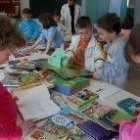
(8, 116)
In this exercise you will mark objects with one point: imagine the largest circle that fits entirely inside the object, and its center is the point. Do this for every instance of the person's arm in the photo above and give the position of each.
(10, 133)
(52, 31)
(71, 50)
(35, 44)
(37, 41)
(115, 68)
(16, 132)
(49, 44)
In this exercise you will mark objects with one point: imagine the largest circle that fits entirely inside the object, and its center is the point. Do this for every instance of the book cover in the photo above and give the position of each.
(96, 131)
(82, 98)
(58, 127)
(114, 116)
(71, 86)
(128, 105)
(95, 110)
(35, 103)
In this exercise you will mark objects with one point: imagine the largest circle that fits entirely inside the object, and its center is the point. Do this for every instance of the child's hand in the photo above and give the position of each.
(117, 124)
(137, 111)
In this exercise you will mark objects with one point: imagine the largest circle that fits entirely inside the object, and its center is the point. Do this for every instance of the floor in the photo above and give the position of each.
(133, 83)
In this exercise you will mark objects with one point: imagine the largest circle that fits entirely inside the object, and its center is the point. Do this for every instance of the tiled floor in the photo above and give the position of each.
(133, 84)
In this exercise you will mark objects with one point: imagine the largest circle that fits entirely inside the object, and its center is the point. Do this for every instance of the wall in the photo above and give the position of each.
(9, 7)
(96, 8)
(92, 8)
(24, 4)
(137, 11)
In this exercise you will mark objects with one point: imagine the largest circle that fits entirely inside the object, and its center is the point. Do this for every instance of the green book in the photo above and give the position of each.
(114, 116)
(70, 86)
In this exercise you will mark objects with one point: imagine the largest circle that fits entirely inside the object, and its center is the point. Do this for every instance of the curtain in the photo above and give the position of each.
(137, 11)
(96, 8)
(115, 7)
(119, 7)
(123, 8)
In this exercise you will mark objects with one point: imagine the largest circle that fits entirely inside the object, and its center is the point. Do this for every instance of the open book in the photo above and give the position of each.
(35, 103)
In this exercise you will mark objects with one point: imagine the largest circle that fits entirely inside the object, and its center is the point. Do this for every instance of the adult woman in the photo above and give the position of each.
(70, 12)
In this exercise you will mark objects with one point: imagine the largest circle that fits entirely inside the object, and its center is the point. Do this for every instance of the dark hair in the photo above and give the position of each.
(27, 11)
(110, 22)
(128, 22)
(83, 22)
(47, 20)
(73, 0)
(133, 44)
(56, 13)
(9, 35)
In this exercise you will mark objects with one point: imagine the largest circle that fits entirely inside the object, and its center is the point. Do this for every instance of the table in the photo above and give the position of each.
(113, 98)
(115, 94)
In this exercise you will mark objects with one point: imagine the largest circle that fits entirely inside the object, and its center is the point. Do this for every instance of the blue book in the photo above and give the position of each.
(97, 132)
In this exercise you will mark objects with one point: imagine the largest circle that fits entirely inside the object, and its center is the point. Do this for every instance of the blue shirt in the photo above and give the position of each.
(30, 29)
(52, 33)
(116, 67)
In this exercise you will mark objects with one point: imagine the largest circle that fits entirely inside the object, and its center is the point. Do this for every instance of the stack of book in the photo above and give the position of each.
(69, 87)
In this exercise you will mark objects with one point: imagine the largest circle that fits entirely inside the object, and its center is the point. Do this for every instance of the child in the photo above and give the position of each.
(10, 39)
(133, 47)
(50, 33)
(115, 69)
(29, 27)
(131, 130)
(85, 52)
(57, 19)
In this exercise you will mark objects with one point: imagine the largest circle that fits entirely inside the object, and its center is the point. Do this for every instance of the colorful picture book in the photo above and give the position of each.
(95, 110)
(69, 87)
(128, 105)
(75, 117)
(18, 78)
(114, 116)
(58, 127)
(38, 134)
(81, 98)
